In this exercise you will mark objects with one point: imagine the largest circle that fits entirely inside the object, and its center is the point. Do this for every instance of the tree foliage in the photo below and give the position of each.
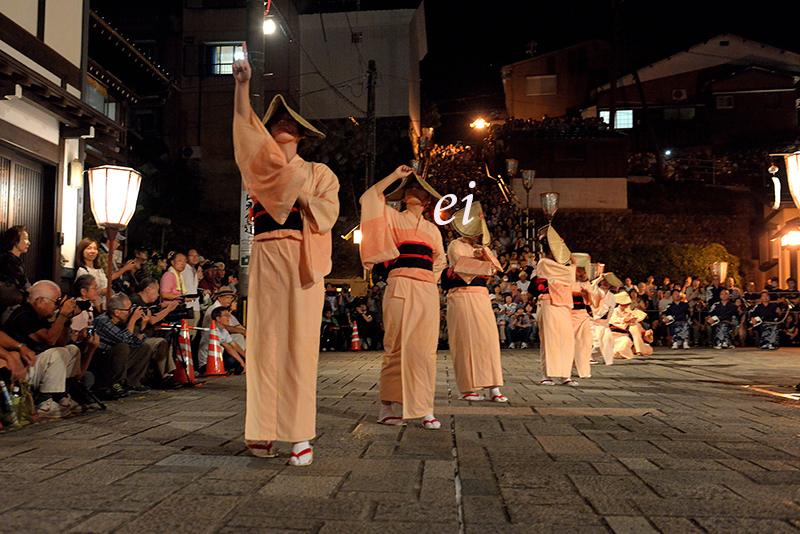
(676, 261)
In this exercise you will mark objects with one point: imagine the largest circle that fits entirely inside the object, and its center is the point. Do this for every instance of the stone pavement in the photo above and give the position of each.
(674, 442)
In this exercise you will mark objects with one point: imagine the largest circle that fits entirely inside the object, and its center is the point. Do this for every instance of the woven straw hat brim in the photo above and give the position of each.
(279, 103)
(399, 192)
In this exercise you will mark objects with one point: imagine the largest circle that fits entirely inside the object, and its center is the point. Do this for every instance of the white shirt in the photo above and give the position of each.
(190, 281)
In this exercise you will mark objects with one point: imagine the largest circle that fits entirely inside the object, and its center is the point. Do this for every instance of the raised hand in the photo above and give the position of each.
(241, 67)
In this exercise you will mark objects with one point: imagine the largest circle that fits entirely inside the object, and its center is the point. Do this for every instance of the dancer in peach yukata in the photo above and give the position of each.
(553, 280)
(584, 298)
(628, 334)
(473, 336)
(295, 206)
(412, 249)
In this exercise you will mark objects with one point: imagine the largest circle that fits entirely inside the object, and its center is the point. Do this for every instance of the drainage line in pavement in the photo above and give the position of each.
(456, 472)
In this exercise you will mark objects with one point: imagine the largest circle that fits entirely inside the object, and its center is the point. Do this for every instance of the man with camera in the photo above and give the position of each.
(162, 364)
(125, 349)
(43, 347)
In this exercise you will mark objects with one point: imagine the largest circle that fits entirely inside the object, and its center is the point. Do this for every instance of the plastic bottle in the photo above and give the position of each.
(10, 408)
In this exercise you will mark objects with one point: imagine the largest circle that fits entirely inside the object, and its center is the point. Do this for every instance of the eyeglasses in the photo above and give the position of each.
(48, 298)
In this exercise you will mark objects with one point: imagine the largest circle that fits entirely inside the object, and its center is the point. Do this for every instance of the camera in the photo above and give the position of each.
(181, 312)
(83, 305)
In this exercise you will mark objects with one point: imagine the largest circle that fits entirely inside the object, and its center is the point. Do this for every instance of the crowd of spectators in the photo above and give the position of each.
(563, 126)
(73, 350)
(740, 167)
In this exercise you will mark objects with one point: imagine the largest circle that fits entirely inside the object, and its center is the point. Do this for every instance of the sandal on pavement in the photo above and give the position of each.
(472, 397)
(499, 398)
(431, 424)
(569, 382)
(261, 449)
(547, 382)
(302, 458)
(391, 420)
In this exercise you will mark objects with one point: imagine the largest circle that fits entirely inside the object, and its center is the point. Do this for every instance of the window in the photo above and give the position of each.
(679, 114)
(725, 102)
(221, 58)
(540, 85)
(623, 118)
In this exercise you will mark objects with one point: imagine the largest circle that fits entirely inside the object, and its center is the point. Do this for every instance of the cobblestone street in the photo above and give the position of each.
(681, 441)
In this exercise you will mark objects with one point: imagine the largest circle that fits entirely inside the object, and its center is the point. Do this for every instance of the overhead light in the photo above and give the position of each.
(76, 174)
(479, 124)
(269, 26)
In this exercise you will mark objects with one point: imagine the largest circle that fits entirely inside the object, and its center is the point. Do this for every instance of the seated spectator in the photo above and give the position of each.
(125, 356)
(172, 284)
(722, 317)
(55, 360)
(364, 320)
(226, 298)
(209, 280)
(329, 332)
(676, 315)
(698, 323)
(789, 332)
(117, 270)
(130, 279)
(233, 354)
(694, 292)
(519, 331)
(713, 291)
(86, 259)
(13, 281)
(523, 282)
(764, 318)
(162, 365)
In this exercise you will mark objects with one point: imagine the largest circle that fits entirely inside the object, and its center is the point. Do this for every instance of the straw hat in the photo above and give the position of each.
(476, 225)
(622, 298)
(399, 192)
(278, 104)
(582, 259)
(553, 241)
(612, 280)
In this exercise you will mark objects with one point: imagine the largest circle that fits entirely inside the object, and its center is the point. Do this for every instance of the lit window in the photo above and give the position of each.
(222, 58)
(540, 85)
(623, 118)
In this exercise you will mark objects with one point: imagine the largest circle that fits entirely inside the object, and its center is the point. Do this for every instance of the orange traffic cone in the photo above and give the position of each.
(355, 342)
(184, 367)
(214, 365)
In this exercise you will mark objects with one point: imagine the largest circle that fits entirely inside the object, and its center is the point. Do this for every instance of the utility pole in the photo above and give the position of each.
(372, 124)
(255, 50)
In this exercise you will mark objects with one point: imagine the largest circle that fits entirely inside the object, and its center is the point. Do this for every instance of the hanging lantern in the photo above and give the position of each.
(512, 165)
(793, 176)
(527, 179)
(113, 192)
(549, 204)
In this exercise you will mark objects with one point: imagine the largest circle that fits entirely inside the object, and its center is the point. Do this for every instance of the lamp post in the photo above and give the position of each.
(527, 182)
(549, 205)
(113, 192)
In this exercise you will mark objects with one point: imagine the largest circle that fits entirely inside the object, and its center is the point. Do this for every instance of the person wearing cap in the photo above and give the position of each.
(411, 248)
(225, 299)
(472, 334)
(553, 283)
(603, 340)
(295, 205)
(676, 317)
(584, 298)
(629, 335)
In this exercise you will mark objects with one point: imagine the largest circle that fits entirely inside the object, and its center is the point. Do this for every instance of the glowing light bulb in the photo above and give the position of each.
(269, 26)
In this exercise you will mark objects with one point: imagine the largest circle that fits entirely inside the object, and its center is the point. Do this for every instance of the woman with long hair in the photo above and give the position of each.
(13, 245)
(86, 259)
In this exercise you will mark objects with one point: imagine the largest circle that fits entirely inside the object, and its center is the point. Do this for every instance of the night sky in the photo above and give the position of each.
(470, 41)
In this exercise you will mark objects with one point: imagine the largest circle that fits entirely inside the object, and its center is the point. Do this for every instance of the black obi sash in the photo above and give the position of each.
(263, 221)
(417, 255)
(451, 280)
(579, 304)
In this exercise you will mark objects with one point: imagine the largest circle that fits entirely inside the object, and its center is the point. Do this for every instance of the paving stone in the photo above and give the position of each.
(102, 522)
(622, 524)
(302, 486)
(676, 525)
(41, 521)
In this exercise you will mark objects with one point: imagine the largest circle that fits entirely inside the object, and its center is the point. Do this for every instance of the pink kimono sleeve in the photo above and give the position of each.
(267, 175)
(377, 242)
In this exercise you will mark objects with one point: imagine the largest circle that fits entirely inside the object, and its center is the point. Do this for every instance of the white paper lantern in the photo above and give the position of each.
(113, 192)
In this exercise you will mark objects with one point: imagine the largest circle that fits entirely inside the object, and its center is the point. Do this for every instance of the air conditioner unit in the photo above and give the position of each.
(679, 94)
(191, 152)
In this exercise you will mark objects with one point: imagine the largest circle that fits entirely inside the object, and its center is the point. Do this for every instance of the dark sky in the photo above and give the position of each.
(469, 41)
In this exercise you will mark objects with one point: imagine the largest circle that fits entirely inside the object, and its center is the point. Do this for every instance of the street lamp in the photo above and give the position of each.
(527, 182)
(113, 192)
